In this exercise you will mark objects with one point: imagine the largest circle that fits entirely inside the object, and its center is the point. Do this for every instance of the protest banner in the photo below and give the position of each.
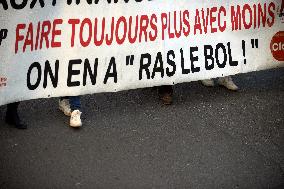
(72, 47)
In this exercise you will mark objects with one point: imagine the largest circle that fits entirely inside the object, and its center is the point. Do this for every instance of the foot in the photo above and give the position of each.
(208, 82)
(166, 94)
(64, 106)
(12, 118)
(228, 83)
(75, 119)
(167, 98)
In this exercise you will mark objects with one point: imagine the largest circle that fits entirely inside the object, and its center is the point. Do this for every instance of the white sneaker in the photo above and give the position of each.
(75, 120)
(64, 106)
(228, 83)
(208, 82)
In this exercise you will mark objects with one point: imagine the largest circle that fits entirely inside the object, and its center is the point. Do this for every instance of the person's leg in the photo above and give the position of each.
(12, 117)
(228, 83)
(75, 105)
(166, 94)
(64, 98)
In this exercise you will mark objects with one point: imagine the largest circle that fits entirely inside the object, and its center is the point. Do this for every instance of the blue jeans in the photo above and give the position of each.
(74, 101)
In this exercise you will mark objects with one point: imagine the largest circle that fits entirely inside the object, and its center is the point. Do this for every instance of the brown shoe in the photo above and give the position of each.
(166, 94)
(166, 98)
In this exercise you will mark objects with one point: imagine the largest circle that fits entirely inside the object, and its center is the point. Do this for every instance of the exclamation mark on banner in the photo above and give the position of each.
(244, 51)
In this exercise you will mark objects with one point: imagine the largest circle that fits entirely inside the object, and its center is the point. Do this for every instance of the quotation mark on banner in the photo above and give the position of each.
(129, 60)
(254, 45)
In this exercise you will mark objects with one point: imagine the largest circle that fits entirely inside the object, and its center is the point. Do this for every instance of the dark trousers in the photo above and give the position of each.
(13, 107)
(74, 101)
(165, 89)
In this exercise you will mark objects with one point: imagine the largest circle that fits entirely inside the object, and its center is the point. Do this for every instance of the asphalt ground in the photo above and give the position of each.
(209, 138)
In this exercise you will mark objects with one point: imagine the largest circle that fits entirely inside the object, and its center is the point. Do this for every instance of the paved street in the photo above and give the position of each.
(209, 138)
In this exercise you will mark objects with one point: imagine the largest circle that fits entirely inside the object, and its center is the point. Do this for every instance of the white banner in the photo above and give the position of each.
(67, 48)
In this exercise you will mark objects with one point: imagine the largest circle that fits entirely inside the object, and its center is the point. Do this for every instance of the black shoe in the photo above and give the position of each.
(12, 118)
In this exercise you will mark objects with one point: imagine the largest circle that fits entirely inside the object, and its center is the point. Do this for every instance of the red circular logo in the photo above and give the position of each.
(277, 46)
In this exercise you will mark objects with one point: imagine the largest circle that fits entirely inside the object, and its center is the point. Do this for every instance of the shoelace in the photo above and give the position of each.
(75, 116)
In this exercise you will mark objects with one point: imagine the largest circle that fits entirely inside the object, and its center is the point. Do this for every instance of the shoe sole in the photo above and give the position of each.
(75, 126)
(221, 85)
